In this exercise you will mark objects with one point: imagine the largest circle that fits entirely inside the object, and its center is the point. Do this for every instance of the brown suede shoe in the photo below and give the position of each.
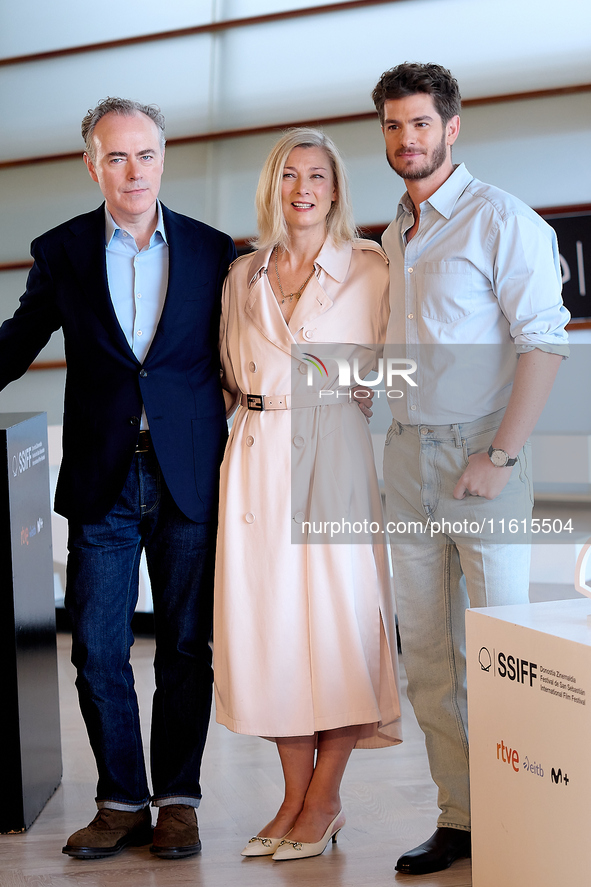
(109, 832)
(176, 834)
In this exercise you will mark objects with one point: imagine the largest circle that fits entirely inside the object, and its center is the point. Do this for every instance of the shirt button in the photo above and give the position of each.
(138, 295)
(249, 440)
(299, 517)
(410, 316)
(143, 373)
(125, 233)
(410, 270)
(298, 440)
(249, 517)
(252, 366)
(413, 407)
(139, 332)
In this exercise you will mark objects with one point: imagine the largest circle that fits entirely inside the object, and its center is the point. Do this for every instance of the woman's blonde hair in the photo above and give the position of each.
(271, 222)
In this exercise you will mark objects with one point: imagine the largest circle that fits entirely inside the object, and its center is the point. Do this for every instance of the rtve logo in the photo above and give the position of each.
(508, 755)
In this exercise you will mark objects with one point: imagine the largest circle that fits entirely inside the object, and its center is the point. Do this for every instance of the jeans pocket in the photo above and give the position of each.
(395, 429)
(465, 452)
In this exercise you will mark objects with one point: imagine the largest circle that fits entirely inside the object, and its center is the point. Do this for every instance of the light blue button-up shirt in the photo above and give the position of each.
(138, 280)
(479, 282)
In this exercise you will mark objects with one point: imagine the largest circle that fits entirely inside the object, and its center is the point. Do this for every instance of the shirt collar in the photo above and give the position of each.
(333, 259)
(446, 196)
(111, 226)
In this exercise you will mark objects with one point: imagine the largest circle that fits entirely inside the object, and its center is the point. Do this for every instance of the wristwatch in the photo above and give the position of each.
(499, 458)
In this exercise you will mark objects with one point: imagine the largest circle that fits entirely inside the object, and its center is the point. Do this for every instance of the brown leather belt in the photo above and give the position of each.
(144, 442)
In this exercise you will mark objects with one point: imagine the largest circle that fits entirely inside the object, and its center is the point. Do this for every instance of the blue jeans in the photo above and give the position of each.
(436, 579)
(101, 595)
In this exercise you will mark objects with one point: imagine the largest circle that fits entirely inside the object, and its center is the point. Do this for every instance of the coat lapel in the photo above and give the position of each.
(261, 305)
(184, 252)
(86, 252)
(313, 302)
(332, 265)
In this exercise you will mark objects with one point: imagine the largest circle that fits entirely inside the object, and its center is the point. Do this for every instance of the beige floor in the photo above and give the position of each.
(388, 797)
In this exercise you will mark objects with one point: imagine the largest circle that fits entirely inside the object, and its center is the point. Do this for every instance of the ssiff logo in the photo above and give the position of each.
(507, 666)
(485, 659)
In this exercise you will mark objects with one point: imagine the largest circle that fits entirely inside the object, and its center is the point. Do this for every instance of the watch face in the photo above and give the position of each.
(499, 458)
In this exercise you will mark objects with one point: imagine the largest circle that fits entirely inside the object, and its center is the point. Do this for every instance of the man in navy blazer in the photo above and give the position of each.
(136, 289)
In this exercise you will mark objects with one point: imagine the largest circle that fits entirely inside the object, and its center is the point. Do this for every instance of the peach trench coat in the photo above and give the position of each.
(304, 635)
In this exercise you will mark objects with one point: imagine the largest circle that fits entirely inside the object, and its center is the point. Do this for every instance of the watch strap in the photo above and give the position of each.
(509, 462)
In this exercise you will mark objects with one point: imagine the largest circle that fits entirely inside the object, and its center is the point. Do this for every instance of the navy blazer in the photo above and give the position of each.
(178, 382)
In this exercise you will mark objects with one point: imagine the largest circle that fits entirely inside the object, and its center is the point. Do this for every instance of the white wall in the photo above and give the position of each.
(274, 73)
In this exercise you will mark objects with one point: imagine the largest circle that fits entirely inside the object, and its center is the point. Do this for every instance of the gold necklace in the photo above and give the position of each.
(297, 293)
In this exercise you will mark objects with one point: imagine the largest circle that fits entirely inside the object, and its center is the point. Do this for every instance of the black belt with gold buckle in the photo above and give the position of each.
(144, 442)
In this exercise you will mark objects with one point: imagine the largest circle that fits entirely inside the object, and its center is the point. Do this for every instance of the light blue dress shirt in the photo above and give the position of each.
(478, 283)
(138, 280)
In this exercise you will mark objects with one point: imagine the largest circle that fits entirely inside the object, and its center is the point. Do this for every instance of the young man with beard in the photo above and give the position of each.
(475, 300)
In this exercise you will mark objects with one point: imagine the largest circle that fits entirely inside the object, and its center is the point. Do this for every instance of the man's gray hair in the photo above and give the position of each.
(125, 107)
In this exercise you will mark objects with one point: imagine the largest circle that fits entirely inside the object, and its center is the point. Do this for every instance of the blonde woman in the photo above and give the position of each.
(303, 636)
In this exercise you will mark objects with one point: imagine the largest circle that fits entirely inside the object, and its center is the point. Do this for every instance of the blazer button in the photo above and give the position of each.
(134, 420)
(249, 440)
(299, 517)
(299, 440)
(252, 366)
(143, 373)
(249, 517)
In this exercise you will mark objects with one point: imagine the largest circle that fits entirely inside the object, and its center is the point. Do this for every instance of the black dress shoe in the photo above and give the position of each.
(443, 847)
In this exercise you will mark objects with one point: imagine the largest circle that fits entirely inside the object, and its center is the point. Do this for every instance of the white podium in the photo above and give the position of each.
(529, 710)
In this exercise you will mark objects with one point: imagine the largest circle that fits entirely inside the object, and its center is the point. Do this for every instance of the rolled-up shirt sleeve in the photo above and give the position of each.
(528, 283)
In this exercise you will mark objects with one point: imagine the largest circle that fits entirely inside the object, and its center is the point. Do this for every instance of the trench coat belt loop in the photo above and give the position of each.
(262, 402)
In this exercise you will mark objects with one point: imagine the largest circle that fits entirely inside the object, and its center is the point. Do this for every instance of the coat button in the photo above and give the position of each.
(299, 440)
(143, 373)
(309, 334)
(252, 366)
(249, 440)
(303, 368)
(249, 517)
(134, 420)
(299, 517)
